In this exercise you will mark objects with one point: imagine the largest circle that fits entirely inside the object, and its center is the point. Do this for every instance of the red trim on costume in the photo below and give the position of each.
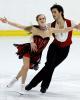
(27, 55)
(68, 41)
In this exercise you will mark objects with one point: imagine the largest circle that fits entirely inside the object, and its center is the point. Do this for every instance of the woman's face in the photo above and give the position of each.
(41, 20)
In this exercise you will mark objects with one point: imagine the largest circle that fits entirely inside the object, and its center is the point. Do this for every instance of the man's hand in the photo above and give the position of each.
(77, 26)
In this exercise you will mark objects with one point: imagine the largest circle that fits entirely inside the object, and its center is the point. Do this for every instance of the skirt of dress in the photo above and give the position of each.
(25, 50)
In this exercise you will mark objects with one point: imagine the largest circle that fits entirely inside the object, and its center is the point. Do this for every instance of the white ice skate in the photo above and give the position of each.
(22, 87)
(22, 90)
(11, 83)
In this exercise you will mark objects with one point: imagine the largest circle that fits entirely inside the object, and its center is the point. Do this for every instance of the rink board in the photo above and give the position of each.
(24, 33)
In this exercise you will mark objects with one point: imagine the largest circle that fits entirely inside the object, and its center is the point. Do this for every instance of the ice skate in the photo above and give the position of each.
(11, 83)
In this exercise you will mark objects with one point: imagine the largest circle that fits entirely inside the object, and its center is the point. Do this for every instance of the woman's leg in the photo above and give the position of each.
(19, 73)
(23, 72)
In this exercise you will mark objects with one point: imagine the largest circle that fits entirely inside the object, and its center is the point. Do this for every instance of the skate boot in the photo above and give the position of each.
(11, 83)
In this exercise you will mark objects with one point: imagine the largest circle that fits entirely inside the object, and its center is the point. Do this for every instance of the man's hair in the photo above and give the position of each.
(59, 8)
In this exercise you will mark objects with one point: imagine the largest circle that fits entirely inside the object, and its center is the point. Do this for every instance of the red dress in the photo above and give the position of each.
(25, 50)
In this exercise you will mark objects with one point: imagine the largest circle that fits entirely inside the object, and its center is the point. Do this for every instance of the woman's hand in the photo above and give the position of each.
(4, 20)
(33, 47)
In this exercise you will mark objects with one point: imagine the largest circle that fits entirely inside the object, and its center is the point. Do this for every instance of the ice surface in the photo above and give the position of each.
(65, 84)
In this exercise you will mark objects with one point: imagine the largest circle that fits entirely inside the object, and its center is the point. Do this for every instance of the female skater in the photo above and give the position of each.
(31, 52)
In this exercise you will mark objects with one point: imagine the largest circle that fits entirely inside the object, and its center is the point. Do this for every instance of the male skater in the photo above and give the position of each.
(57, 52)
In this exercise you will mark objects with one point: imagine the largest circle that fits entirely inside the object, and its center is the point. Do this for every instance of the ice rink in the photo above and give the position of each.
(65, 84)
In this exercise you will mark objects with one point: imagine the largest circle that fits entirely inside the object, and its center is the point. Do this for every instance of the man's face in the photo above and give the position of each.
(56, 14)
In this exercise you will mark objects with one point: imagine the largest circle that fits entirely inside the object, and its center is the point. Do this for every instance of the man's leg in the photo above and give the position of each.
(36, 80)
(58, 57)
(39, 77)
(49, 68)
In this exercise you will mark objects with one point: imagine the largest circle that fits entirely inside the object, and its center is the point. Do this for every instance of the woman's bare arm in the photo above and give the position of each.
(5, 20)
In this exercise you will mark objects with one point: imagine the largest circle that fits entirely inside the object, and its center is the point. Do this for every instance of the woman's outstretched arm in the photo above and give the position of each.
(5, 20)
